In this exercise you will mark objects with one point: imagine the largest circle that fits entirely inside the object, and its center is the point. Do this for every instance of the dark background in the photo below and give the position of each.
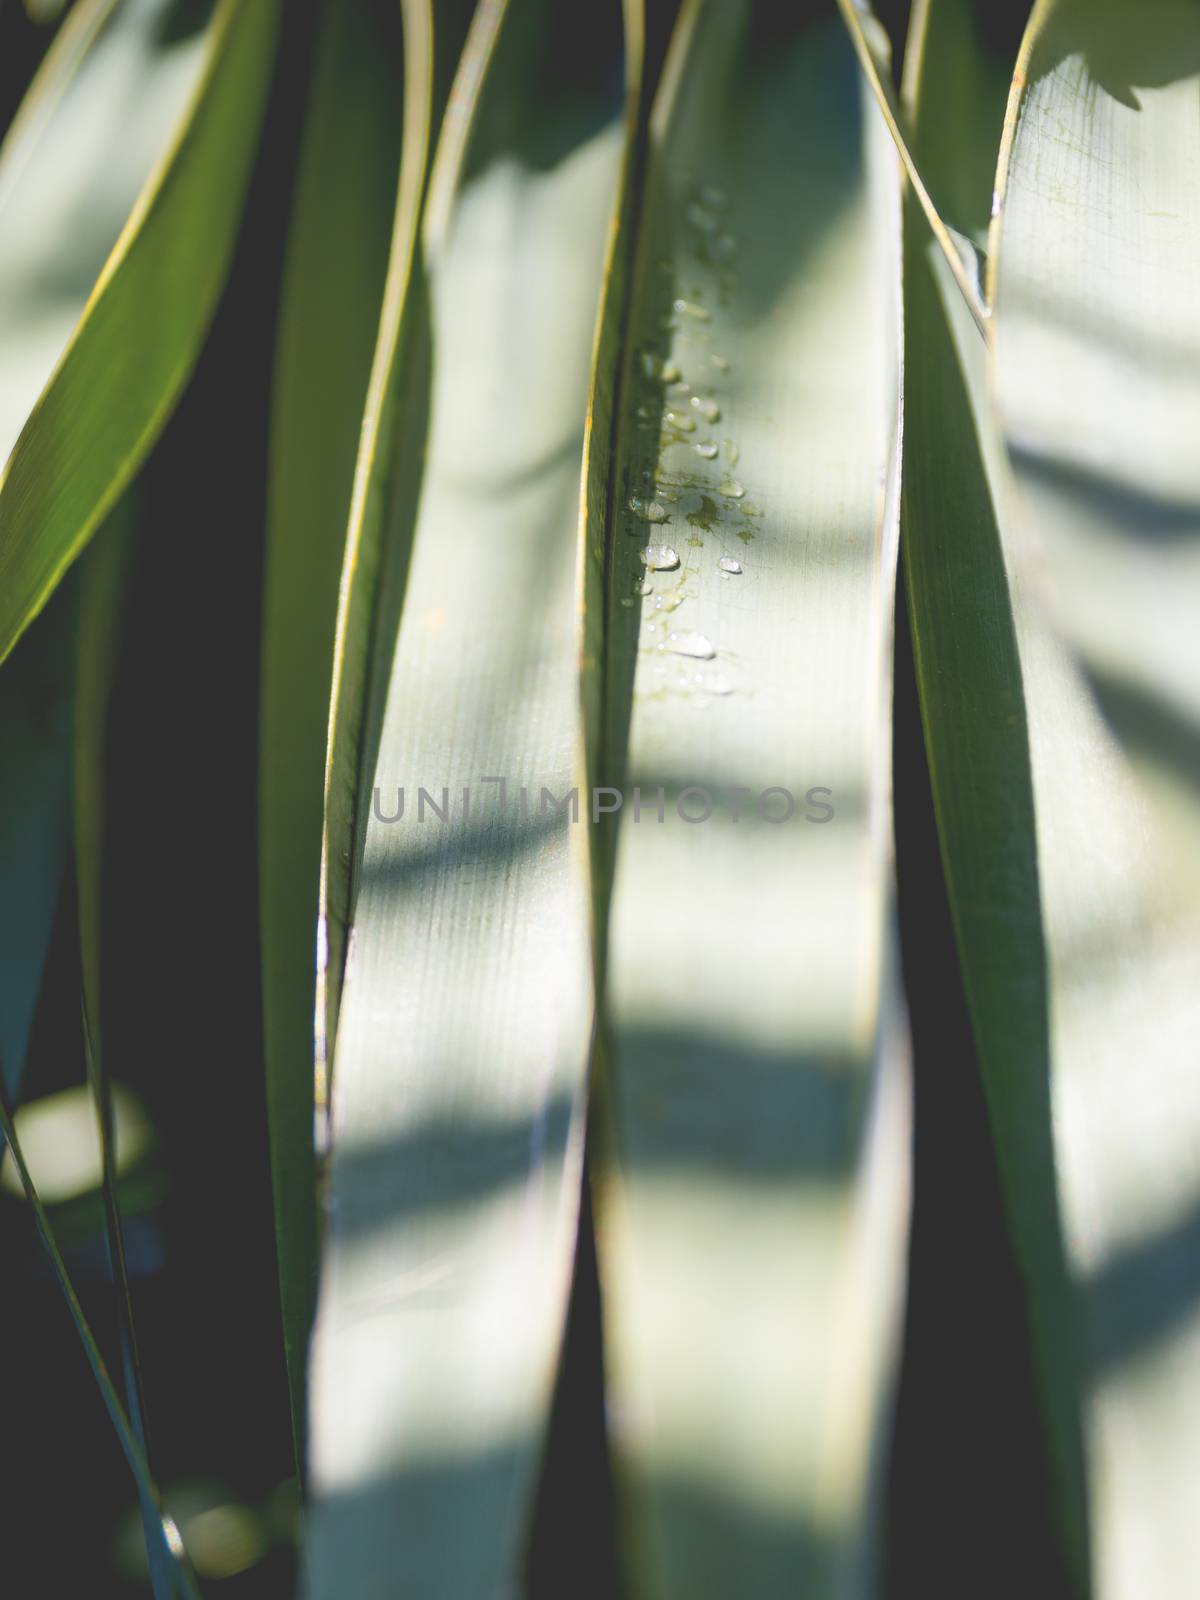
(968, 1491)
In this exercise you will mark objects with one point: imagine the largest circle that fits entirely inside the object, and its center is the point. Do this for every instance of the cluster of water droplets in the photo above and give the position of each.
(691, 492)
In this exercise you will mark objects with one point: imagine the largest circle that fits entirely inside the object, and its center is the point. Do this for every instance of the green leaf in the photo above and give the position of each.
(752, 1206)
(467, 1013)
(1095, 261)
(121, 184)
(969, 621)
(1080, 955)
(333, 289)
(387, 482)
(873, 48)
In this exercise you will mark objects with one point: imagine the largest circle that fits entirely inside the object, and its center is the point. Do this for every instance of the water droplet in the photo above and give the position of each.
(645, 586)
(732, 453)
(648, 510)
(628, 600)
(708, 409)
(680, 421)
(731, 489)
(689, 308)
(728, 564)
(701, 217)
(972, 257)
(714, 682)
(651, 365)
(659, 557)
(719, 362)
(669, 372)
(690, 644)
(705, 448)
(997, 202)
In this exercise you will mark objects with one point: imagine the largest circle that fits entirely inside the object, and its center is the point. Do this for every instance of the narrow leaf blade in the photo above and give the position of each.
(752, 1208)
(334, 284)
(466, 1018)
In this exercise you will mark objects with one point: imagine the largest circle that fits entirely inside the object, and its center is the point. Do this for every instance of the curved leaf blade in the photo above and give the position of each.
(387, 478)
(107, 358)
(975, 642)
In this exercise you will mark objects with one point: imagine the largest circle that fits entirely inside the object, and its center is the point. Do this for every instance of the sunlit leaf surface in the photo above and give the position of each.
(752, 1208)
(1080, 952)
(1096, 261)
(466, 1018)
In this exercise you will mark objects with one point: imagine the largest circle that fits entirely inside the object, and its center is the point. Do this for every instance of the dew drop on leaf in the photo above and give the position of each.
(691, 644)
(660, 557)
(648, 510)
(680, 421)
